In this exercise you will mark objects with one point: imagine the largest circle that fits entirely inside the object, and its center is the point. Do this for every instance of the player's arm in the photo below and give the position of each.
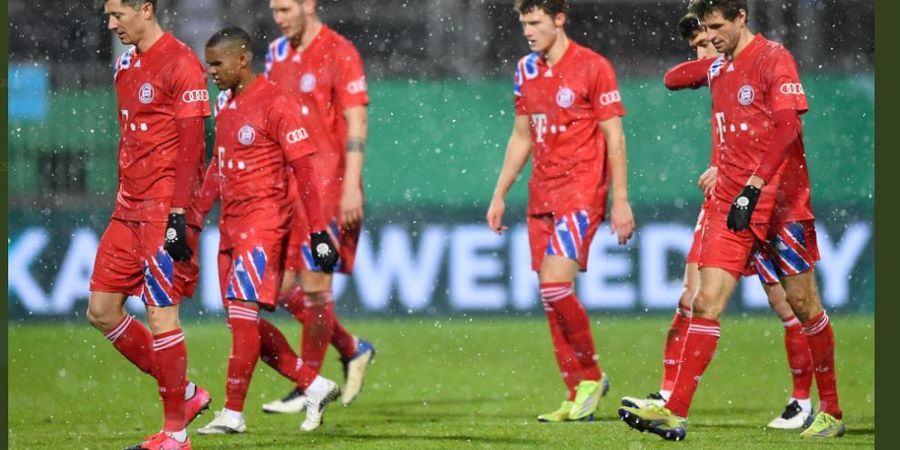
(621, 218)
(518, 149)
(688, 75)
(209, 191)
(357, 132)
(189, 164)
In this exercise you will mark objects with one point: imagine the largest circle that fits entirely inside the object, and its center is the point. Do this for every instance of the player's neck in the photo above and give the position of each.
(746, 38)
(153, 34)
(557, 50)
(246, 80)
(309, 34)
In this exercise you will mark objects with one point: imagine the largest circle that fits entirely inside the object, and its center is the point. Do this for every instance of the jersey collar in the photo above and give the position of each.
(162, 42)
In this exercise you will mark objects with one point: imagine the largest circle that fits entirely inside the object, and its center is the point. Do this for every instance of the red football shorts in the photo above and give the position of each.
(131, 260)
(729, 250)
(567, 234)
(252, 270)
(299, 252)
(791, 249)
(693, 256)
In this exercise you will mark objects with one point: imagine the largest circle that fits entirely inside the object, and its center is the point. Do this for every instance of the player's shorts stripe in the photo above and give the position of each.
(583, 222)
(792, 262)
(551, 247)
(229, 291)
(765, 269)
(572, 226)
(566, 240)
(158, 295)
(165, 265)
(244, 282)
(308, 257)
(796, 231)
(259, 261)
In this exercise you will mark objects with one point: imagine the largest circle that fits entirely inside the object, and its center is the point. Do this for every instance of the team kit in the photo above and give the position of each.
(286, 170)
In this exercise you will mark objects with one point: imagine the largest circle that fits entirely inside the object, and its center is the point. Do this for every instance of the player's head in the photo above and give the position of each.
(292, 16)
(542, 21)
(130, 19)
(725, 21)
(229, 56)
(692, 31)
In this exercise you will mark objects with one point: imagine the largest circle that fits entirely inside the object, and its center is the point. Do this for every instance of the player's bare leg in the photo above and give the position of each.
(802, 293)
(797, 413)
(573, 343)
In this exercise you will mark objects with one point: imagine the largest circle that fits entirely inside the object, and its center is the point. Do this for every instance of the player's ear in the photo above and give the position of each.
(147, 10)
(560, 20)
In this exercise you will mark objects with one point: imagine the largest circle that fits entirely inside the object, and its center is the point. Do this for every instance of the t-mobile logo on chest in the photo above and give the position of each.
(541, 127)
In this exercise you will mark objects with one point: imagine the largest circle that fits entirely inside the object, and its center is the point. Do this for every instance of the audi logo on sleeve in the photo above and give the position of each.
(195, 95)
(791, 89)
(357, 86)
(608, 98)
(297, 135)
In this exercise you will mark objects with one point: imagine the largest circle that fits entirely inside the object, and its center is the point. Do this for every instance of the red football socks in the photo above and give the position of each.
(799, 358)
(132, 339)
(821, 346)
(569, 368)
(699, 348)
(170, 365)
(245, 348)
(318, 327)
(277, 353)
(575, 326)
(674, 347)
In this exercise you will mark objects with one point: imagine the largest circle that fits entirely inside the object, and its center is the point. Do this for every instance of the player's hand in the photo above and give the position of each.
(325, 254)
(176, 238)
(351, 207)
(707, 180)
(742, 208)
(495, 215)
(622, 221)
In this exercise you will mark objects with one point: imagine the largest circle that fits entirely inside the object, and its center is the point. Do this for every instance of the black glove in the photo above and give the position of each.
(324, 252)
(742, 208)
(176, 238)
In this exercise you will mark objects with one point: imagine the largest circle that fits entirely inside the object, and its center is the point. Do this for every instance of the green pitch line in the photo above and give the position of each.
(436, 383)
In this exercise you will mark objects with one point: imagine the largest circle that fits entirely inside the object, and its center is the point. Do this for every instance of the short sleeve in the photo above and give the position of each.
(606, 99)
(782, 81)
(190, 97)
(517, 91)
(351, 78)
(286, 127)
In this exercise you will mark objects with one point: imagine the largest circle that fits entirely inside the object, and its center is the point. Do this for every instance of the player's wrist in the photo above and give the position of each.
(176, 210)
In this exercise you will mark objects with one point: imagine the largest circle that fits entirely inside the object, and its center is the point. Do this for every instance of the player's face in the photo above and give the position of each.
(722, 33)
(700, 44)
(540, 29)
(128, 23)
(291, 16)
(225, 64)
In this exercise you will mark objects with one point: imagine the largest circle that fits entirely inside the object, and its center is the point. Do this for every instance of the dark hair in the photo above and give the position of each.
(231, 35)
(135, 4)
(688, 26)
(551, 7)
(728, 8)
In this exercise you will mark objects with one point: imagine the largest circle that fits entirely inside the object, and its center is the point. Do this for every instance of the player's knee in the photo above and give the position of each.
(687, 296)
(318, 298)
(103, 319)
(162, 319)
(707, 305)
(776, 296)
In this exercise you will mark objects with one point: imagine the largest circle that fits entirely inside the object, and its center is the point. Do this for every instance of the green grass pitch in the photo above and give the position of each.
(455, 382)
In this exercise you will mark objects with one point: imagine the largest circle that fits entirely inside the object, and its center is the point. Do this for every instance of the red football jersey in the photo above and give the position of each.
(746, 93)
(258, 134)
(564, 104)
(328, 75)
(154, 89)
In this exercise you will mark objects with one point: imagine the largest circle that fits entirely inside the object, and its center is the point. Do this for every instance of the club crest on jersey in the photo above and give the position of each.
(246, 135)
(565, 97)
(145, 94)
(746, 94)
(307, 82)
